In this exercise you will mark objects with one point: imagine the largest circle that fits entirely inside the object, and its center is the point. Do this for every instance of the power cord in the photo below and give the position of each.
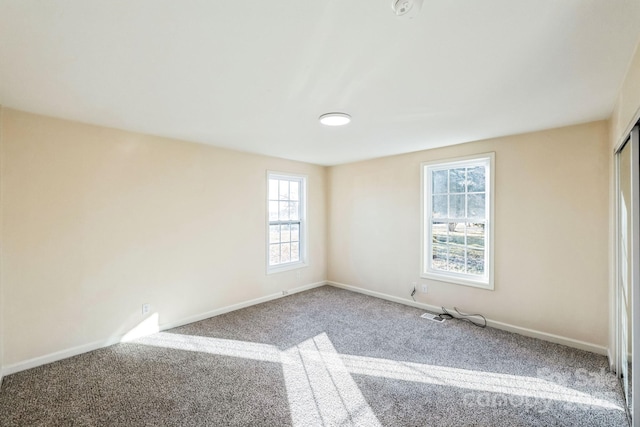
(464, 316)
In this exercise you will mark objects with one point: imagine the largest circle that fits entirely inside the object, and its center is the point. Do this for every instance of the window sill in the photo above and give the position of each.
(286, 267)
(487, 285)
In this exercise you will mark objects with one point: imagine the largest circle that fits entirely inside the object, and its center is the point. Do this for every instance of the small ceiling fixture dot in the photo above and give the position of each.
(406, 8)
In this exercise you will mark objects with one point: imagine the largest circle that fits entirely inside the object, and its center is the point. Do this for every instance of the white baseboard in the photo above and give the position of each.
(612, 365)
(74, 351)
(238, 306)
(569, 342)
(59, 355)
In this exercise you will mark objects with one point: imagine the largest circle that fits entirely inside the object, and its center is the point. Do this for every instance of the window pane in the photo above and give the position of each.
(285, 235)
(295, 252)
(285, 202)
(439, 179)
(284, 190)
(295, 232)
(273, 211)
(476, 204)
(475, 262)
(456, 180)
(476, 179)
(273, 189)
(283, 214)
(294, 188)
(456, 206)
(274, 254)
(456, 233)
(439, 206)
(439, 261)
(294, 211)
(439, 231)
(274, 234)
(475, 236)
(285, 254)
(456, 258)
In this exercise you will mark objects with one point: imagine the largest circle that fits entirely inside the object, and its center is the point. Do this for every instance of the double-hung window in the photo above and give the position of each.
(458, 220)
(286, 222)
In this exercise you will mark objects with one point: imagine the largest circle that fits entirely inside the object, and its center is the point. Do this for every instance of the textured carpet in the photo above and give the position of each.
(321, 357)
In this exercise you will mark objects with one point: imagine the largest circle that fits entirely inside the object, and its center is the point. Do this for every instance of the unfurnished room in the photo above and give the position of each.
(326, 213)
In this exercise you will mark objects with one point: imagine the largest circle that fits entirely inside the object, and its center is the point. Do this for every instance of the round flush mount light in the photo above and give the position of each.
(335, 119)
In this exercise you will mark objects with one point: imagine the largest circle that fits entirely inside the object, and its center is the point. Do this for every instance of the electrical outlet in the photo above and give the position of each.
(423, 288)
(146, 308)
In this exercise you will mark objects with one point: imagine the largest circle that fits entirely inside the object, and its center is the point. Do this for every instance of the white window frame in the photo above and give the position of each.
(302, 248)
(426, 271)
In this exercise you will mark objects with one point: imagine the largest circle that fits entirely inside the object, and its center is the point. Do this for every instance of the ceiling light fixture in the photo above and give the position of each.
(335, 119)
(406, 8)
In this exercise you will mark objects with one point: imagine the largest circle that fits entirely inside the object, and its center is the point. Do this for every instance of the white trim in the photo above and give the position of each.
(611, 360)
(616, 242)
(2, 310)
(95, 345)
(635, 272)
(569, 342)
(74, 351)
(620, 352)
(622, 138)
(285, 267)
(487, 280)
(452, 277)
(303, 232)
(60, 355)
(239, 306)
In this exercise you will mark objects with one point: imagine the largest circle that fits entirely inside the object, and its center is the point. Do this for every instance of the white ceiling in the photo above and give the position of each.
(254, 75)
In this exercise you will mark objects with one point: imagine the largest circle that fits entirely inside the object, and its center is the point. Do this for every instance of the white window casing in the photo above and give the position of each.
(457, 220)
(286, 229)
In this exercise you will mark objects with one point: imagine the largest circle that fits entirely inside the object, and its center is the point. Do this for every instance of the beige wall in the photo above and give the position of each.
(98, 221)
(551, 230)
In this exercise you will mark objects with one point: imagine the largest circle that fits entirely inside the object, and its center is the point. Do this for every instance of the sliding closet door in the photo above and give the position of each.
(628, 267)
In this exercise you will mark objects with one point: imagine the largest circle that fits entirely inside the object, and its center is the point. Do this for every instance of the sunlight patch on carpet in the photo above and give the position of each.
(322, 391)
